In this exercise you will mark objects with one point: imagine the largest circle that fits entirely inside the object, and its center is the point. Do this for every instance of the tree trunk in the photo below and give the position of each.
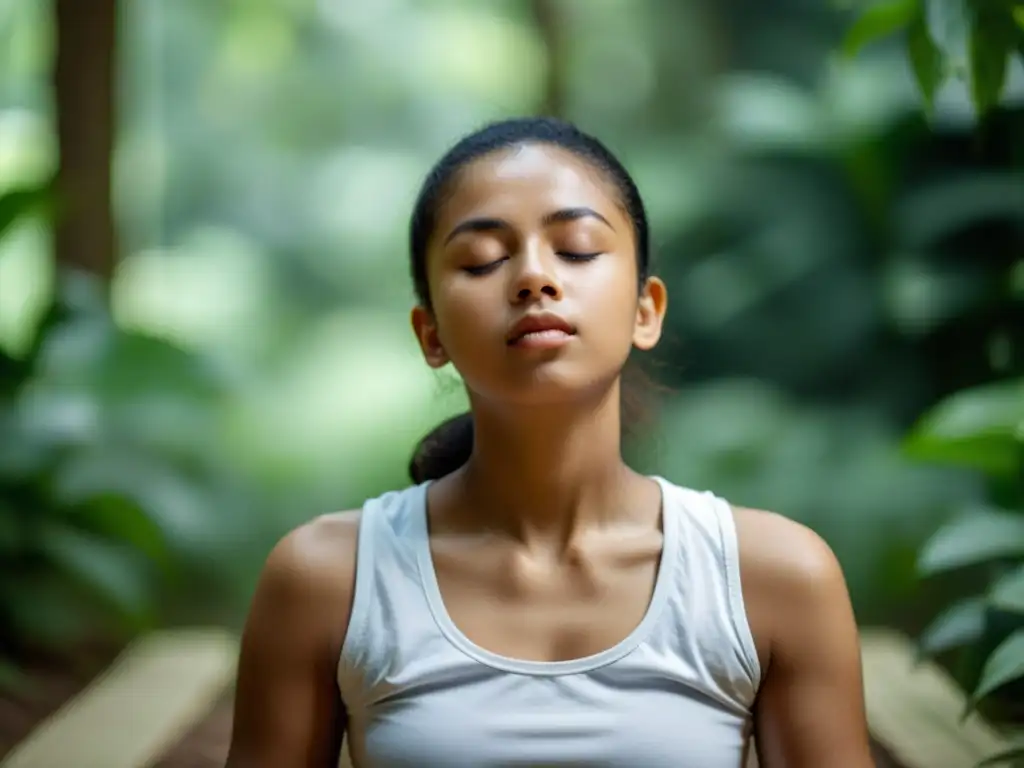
(84, 84)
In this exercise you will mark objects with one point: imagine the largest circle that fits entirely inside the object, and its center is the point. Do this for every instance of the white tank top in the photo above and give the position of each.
(676, 693)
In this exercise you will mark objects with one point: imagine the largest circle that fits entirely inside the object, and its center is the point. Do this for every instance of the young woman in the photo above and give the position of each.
(531, 600)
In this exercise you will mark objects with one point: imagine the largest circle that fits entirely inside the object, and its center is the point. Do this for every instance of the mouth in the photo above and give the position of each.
(542, 330)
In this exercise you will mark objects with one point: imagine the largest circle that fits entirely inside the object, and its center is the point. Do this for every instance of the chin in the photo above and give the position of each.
(553, 384)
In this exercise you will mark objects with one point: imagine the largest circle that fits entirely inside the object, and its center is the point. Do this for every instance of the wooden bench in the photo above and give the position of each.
(167, 682)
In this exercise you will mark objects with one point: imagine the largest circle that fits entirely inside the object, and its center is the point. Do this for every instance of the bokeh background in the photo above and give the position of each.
(204, 320)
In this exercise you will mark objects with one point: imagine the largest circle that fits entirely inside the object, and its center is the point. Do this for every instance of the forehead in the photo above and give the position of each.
(528, 181)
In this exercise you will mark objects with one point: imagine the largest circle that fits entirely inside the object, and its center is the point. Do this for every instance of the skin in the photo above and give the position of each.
(569, 526)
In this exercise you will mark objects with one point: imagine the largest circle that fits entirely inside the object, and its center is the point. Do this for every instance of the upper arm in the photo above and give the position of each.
(810, 708)
(288, 712)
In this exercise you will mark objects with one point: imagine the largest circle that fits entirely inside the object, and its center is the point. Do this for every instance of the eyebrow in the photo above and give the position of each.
(555, 217)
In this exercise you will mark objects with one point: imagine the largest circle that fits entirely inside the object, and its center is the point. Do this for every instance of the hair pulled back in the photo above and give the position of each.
(449, 445)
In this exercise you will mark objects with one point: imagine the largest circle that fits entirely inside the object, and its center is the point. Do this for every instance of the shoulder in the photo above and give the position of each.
(316, 545)
(789, 555)
(791, 579)
(810, 701)
(311, 567)
(286, 700)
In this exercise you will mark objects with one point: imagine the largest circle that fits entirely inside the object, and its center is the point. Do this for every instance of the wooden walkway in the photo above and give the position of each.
(151, 696)
(135, 714)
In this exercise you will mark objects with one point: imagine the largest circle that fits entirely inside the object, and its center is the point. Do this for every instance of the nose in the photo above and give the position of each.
(536, 276)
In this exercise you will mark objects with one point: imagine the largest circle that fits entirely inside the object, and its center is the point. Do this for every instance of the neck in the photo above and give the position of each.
(543, 473)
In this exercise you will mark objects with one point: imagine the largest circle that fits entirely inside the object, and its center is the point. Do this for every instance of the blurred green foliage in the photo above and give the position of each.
(980, 427)
(973, 39)
(110, 476)
(838, 267)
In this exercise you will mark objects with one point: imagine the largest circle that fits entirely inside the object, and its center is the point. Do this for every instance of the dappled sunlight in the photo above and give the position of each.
(212, 292)
(26, 283)
(480, 55)
(27, 150)
(360, 197)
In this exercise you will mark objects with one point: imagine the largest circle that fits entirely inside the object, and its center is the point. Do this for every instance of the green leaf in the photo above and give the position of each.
(12, 530)
(41, 610)
(1018, 17)
(925, 58)
(18, 202)
(24, 454)
(950, 24)
(1001, 758)
(1008, 593)
(959, 625)
(114, 573)
(140, 363)
(977, 428)
(176, 511)
(14, 372)
(948, 207)
(991, 44)
(878, 21)
(121, 519)
(978, 537)
(1005, 665)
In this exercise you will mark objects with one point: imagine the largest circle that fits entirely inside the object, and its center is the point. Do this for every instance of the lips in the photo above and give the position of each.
(544, 324)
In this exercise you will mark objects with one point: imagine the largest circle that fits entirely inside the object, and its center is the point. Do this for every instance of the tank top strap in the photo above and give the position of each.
(731, 560)
(705, 624)
(389, 615)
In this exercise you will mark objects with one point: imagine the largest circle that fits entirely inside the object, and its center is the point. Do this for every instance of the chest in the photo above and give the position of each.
(548, 610)
(578, 720)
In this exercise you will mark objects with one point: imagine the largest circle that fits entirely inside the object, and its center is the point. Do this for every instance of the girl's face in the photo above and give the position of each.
(535, 235)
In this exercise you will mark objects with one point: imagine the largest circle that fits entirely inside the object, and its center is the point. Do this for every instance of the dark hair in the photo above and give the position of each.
(448, 446)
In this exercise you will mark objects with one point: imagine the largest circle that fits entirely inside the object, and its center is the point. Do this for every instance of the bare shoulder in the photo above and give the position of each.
(311, 570)
(791, 580)
(286, 697)
(810, 703)
(321, 547)
(783, 553)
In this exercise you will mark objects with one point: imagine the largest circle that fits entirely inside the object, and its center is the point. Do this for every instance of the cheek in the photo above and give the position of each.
(465, 315)
(609, 292)
(461, 299)
(615, 320)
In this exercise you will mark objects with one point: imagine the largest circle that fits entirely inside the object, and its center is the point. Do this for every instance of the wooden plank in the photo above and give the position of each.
(914, 709)
(141, 705)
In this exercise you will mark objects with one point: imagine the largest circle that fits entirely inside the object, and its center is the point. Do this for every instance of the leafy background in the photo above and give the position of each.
(837, 198)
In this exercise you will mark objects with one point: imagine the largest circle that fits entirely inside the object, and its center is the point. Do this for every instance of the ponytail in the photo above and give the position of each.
(446, 448)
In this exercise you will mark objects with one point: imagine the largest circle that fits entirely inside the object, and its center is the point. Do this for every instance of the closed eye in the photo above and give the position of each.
(484, 269)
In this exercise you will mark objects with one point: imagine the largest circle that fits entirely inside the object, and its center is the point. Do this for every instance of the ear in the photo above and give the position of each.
(650, 314)
(425, 328)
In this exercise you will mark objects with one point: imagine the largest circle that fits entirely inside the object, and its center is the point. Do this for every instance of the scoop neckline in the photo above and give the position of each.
(435, 601)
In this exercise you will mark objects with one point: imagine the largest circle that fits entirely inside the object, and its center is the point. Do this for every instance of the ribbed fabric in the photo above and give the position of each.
(675, 693)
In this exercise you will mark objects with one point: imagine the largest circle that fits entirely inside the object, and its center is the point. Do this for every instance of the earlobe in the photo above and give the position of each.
(650, 314)
(425, 328)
